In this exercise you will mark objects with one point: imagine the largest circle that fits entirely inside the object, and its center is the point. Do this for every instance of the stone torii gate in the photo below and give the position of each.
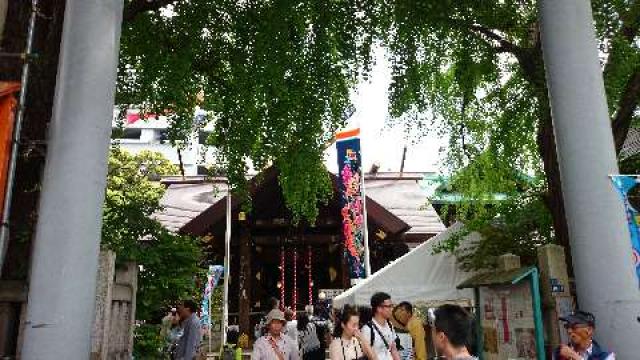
(65, 257)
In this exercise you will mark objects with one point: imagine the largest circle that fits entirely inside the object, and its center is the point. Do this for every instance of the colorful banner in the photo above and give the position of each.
(213, 277)
(627, 186)
(8, 102)
(350, 185)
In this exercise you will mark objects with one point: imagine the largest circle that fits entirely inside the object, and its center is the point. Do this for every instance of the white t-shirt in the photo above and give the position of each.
(291, 330)
(379, 346)
(406, 341)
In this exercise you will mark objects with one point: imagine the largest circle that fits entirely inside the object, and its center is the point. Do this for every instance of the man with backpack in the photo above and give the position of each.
(379, 332)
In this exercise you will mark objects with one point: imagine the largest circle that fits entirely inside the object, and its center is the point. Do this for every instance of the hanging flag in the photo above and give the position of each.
(350, 186)
(629, 189)
(132, 117)
(213, 277)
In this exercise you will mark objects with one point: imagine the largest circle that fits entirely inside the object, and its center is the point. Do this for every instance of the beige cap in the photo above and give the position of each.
(275, 314)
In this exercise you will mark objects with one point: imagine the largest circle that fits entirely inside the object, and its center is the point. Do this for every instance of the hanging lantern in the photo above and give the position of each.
(282, 299)
(294, 300)
(310, 273)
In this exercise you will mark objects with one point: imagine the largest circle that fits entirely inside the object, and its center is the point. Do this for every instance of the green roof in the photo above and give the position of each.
(498, 278)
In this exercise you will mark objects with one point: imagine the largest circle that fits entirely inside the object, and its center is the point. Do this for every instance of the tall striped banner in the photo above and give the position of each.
(628, 187)
(213, 276)
(352, 193)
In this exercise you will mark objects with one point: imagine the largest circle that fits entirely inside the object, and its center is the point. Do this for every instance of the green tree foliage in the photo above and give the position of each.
(275, 78)
(169, 262)
(476, 68)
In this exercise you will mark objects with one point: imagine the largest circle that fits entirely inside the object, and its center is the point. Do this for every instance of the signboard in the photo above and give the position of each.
(508, 325)
(330, 294)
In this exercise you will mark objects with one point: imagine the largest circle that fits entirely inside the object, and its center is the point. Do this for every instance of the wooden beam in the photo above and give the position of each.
(311, 239)
(244, 295)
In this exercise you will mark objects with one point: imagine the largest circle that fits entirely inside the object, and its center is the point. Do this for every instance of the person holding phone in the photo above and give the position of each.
(348, 343)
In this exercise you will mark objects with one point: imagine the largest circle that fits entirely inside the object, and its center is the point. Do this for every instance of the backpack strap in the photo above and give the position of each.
(375, 327)
(373, 333)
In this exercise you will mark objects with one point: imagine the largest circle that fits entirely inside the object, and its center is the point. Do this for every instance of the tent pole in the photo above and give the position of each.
(227, 268)
(365, 231)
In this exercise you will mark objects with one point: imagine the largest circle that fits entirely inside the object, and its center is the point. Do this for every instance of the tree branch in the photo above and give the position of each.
(505, 45)
(626, 108)
(631, 22)
(629, 30)
(136, 7)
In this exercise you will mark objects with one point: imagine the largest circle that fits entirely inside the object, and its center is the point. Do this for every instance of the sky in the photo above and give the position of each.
(381, 143)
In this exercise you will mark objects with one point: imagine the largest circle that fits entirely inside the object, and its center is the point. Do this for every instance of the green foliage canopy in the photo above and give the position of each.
(275, 78)
(169, 263)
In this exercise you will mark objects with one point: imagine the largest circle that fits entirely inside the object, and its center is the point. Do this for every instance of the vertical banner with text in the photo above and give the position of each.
(213, 277)
(350, 186)
(629, 188)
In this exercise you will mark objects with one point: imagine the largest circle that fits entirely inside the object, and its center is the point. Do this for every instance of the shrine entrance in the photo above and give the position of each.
(273, 257)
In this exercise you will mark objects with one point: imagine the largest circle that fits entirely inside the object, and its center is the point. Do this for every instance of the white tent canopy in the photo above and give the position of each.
(418, 276)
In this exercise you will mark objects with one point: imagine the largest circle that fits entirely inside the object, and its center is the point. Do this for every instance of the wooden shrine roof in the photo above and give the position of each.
(395, 203)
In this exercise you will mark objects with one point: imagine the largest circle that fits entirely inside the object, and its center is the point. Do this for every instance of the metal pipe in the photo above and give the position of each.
(365, 230)
(404, 157)
(227, 269)
(17, 130)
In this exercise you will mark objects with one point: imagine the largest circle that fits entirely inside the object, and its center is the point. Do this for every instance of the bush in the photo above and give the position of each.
(148, 344)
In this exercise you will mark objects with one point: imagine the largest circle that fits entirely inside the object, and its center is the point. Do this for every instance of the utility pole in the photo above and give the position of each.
(599, 237)
(62, 284)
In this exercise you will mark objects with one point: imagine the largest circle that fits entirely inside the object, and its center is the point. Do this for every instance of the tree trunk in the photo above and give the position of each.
(553, 198)
(532, 65)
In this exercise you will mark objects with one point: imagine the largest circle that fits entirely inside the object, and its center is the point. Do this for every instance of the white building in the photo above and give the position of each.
(151, 134)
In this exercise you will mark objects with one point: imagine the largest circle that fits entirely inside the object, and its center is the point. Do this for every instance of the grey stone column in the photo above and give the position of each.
(599, 237)
(60, 310)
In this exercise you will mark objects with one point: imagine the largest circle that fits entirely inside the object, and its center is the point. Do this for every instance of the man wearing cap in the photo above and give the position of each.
(580, 327)
(274, 345)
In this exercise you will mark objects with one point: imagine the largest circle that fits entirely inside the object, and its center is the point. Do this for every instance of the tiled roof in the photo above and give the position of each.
(406, 200)
(184, 201)
(631, 144)
(403, 197)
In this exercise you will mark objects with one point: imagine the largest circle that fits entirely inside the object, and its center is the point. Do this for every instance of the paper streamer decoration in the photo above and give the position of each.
(213, 277)
(627, 185)
(310, 273)
(350, 182)
(294, 300)
(282, 278)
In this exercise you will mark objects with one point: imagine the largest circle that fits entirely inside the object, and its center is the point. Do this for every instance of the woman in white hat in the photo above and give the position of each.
(274, 345)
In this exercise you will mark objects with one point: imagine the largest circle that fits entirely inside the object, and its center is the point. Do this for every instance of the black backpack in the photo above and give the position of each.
(321, 333)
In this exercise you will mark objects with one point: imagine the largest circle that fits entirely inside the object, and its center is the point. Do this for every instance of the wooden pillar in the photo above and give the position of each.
(345, 268)
(244, 294)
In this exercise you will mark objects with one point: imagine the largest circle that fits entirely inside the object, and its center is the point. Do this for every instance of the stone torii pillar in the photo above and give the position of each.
(599, 237)
(62, 285)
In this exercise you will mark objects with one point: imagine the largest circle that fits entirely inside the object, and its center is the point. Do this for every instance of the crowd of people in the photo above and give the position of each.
(362, 334)
(374, 333)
